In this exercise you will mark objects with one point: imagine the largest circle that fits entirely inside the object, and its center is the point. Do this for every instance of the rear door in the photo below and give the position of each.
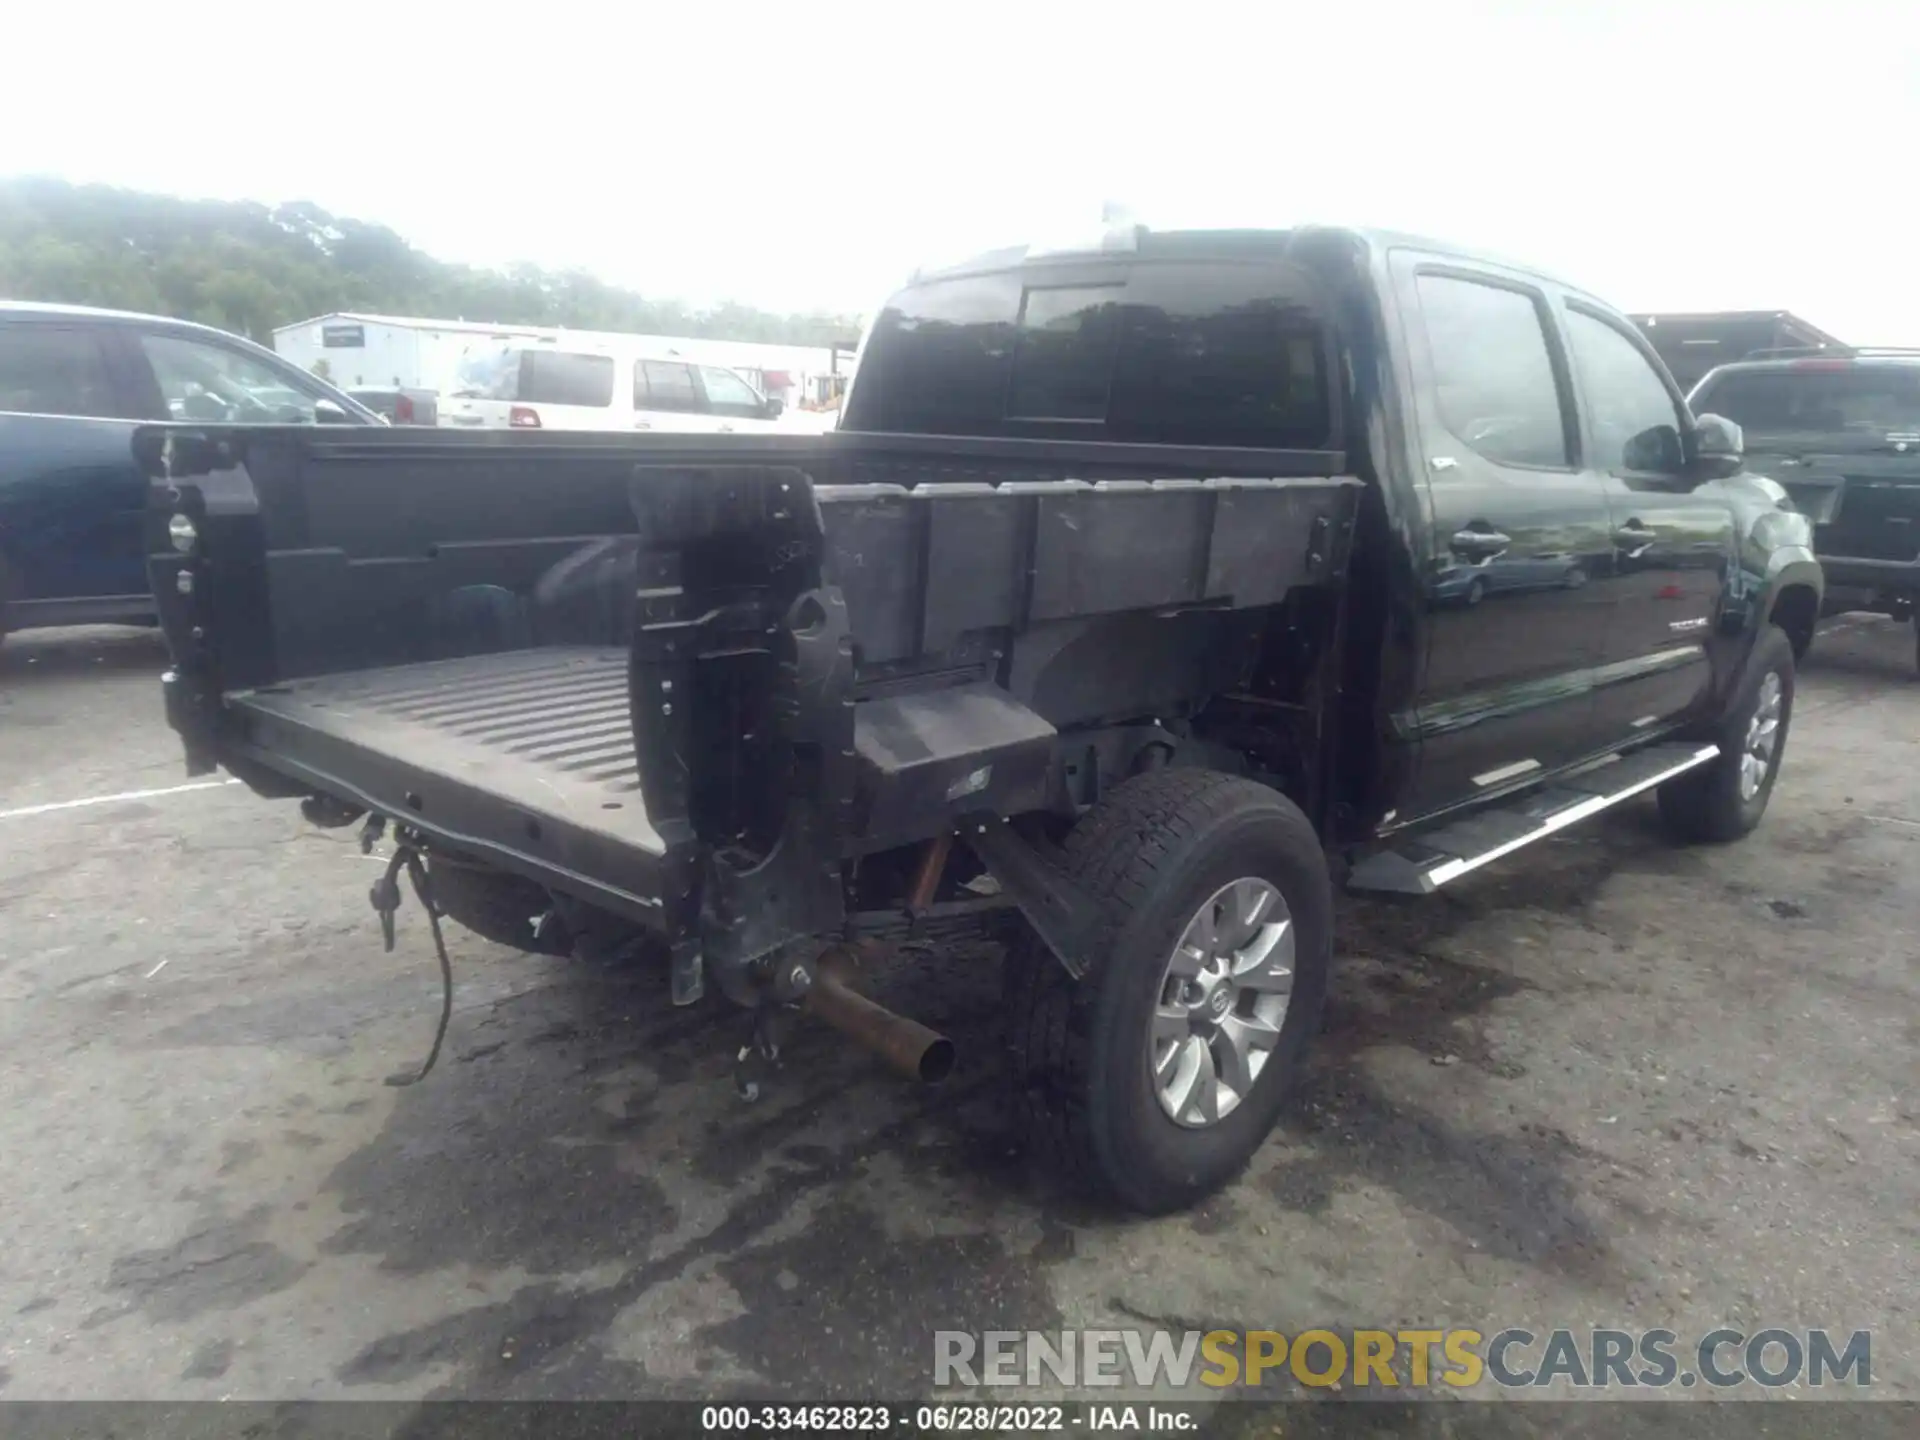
(1516, 537)
(72, 502)
(1673, 541)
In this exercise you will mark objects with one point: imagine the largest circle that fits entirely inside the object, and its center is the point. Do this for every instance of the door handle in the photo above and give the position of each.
(1479, 544)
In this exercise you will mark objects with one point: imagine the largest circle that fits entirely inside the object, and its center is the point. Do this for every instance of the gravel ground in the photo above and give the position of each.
(1605, 1082)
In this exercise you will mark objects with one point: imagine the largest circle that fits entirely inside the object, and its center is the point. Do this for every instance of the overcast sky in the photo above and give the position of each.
(1666, 154)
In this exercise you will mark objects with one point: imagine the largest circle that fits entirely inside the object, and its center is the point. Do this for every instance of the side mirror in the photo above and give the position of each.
(773, 407)
(325, 412)
(1719, 449)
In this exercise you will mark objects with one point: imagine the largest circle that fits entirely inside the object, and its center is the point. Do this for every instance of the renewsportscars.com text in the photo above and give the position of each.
(1395, 1360)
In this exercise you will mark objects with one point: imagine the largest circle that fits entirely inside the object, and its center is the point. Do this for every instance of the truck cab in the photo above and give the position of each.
(1559, 559)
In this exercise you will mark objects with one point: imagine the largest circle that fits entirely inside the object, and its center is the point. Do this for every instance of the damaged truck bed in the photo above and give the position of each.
(711, 679)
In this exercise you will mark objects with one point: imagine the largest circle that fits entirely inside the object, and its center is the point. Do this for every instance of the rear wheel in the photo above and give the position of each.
(1158, 1075)
(1725, 799)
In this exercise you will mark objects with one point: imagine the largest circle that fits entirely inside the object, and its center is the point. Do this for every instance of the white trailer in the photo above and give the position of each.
(403, 350)
(398, 350)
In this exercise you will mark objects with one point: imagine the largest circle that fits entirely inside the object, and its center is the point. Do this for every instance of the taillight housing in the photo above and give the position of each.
(523, 417)
(403, 409)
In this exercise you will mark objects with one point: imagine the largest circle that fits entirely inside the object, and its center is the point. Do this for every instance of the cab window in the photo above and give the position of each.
(1493, 377)
(1630, 413)
(1157, 353)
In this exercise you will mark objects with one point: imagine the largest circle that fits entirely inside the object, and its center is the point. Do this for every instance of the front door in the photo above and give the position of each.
(1517, 537)
(1674, 542)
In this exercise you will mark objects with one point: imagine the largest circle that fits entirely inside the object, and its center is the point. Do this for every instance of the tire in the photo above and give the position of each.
(1156, 851)
(1713, 804)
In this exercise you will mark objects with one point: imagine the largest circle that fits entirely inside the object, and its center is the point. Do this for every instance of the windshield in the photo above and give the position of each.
(1868, 401)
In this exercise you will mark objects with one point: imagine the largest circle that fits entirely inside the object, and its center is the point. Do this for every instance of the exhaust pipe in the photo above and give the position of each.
(909, 1048)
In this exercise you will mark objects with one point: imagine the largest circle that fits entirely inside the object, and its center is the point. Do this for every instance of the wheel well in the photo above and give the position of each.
(1795, 610)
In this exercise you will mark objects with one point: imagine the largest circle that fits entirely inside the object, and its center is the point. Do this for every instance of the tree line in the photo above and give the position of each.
(248, 268)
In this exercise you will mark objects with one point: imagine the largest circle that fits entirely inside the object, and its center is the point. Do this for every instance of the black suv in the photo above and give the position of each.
(1840, 428)
(73, 384)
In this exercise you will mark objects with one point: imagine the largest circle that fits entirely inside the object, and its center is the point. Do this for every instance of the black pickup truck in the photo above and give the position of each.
(1144, 591)
(1840, 429)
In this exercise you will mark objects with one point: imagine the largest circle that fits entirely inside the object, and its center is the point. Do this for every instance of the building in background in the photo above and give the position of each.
(1693, 344)
(404, 350)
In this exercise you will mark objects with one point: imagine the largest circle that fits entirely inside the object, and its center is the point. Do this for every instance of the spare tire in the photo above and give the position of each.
(497, 906)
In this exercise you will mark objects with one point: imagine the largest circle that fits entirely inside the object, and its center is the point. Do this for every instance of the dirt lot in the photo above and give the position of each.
(1606, 1082)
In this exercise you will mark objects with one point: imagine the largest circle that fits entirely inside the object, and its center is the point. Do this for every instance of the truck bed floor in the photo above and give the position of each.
(549, 731)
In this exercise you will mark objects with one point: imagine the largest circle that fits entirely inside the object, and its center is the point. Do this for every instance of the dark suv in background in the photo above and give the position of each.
(1841, 431)
(73, 384)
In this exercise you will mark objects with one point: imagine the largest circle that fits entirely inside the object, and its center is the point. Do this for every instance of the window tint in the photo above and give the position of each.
(665, 385)
(1493, 377)
(1063, 355)
(204, 381)
(1634, 421)
(1166, 353)
(1866, 400)
(728, 394)
(937, 359)
(560, 377)
(1232, 372)
(54, 370)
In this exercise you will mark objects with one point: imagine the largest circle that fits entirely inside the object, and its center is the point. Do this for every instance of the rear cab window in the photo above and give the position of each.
(1146, 350)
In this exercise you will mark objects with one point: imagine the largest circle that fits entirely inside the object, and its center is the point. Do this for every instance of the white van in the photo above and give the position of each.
(548, 385)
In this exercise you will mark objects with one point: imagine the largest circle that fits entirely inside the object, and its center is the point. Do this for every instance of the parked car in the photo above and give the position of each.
(1119, 587)
(400, 404)
(542, 385)
(73, 385)
(1841, 430)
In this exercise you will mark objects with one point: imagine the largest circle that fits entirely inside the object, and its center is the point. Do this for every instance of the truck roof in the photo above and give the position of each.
(1224, 244)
